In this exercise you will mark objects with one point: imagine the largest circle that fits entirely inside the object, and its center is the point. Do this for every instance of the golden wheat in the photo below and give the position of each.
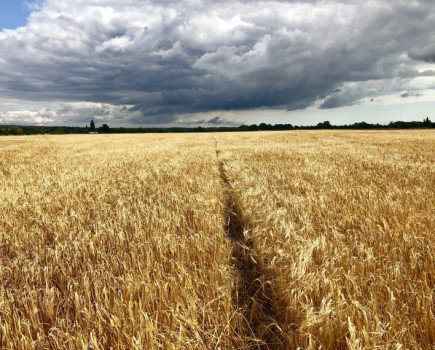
(119, 241)
(343, 226)
(113, 241)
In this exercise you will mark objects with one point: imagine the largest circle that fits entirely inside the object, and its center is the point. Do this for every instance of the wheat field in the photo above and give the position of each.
(279, 240)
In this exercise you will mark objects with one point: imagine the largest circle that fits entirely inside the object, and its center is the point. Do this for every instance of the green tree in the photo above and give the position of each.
(325, 125)
(59, 131)
(16, 130)
(427, 122)
(104, 128)
(92, 126)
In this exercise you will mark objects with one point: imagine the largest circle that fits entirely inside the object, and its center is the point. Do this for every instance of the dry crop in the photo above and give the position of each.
(113, 241)
(342, 225)
(227, 241)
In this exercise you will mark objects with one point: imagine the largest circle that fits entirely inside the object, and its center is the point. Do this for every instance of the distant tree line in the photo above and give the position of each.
(105, 129)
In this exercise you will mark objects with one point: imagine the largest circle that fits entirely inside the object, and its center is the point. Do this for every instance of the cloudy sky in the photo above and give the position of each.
(216, 62)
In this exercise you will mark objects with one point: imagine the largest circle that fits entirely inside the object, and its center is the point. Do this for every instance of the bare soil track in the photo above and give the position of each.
(253, 294)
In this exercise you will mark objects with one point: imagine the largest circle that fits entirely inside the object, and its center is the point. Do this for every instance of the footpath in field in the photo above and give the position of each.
(253, 294)
(342, 225)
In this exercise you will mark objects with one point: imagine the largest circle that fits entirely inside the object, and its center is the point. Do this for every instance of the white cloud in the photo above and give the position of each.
(26, 117)
(65, 113)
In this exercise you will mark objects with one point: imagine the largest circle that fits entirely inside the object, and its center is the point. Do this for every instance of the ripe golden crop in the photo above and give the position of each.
(203, 241)
(113, 241)
(343, 225)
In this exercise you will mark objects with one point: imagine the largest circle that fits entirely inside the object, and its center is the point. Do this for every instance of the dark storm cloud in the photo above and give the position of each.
(426, 53)
(152, 60)
(332, 102)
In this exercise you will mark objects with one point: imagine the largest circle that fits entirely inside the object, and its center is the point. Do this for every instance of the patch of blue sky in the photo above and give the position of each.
(13, 13)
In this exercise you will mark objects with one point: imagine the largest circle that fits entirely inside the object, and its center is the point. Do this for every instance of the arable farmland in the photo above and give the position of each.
(287, 240)
(113, 241)
(342, 225)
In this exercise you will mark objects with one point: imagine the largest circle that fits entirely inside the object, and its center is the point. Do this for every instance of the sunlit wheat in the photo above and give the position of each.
(343, 224)
(119, 241)
(113, 241)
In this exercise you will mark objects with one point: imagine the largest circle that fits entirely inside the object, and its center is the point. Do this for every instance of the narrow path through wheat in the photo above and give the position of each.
(253, 292)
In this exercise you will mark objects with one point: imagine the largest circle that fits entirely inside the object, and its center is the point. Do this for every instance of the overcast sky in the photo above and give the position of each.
(216, 62)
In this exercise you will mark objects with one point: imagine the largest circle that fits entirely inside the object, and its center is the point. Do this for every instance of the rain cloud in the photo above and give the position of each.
(151, 61)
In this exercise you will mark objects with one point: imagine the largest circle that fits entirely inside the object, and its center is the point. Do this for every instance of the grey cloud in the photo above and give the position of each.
(351, 93)
(410, 94)
(166, 58)
(332, 102)
(215, 120)
(426, 54)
